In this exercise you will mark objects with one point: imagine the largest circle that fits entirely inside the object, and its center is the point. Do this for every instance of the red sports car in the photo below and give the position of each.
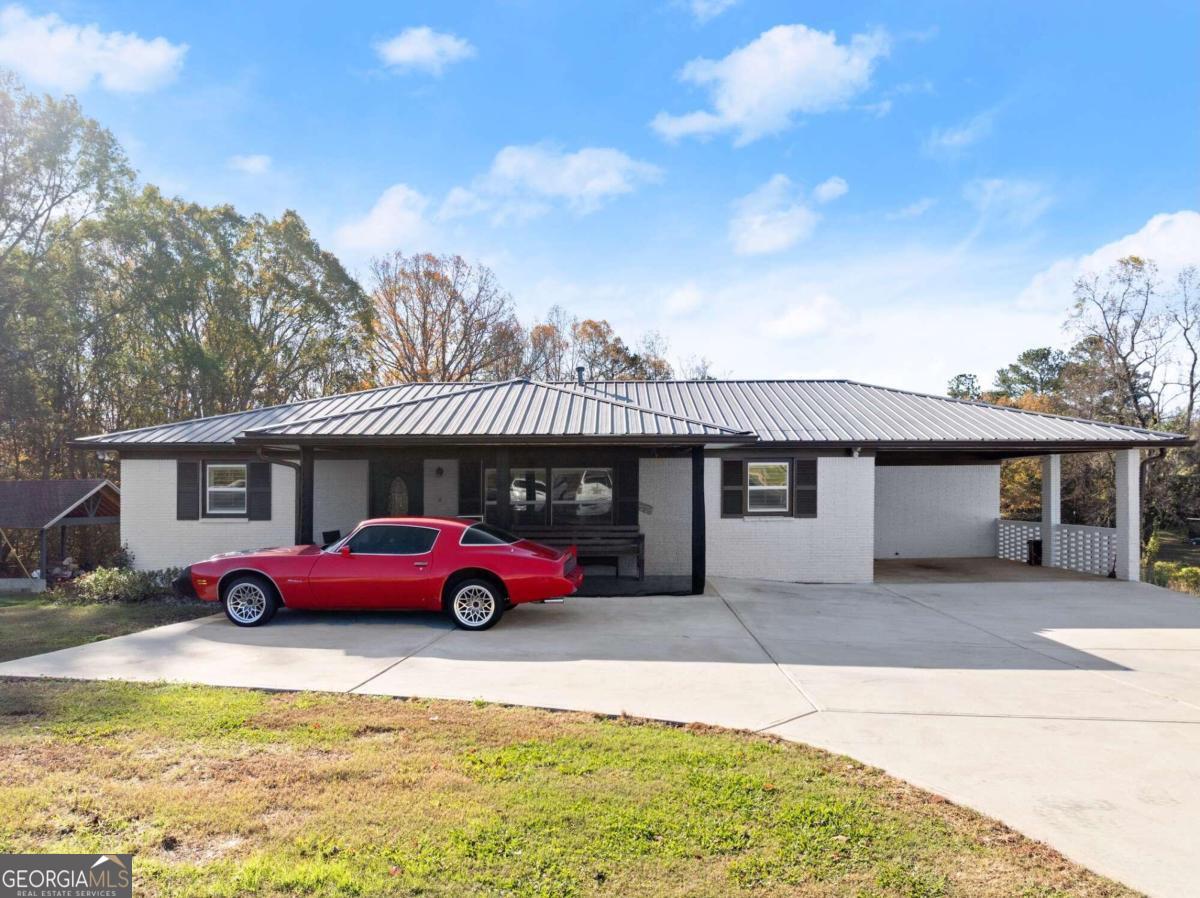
(471, 571)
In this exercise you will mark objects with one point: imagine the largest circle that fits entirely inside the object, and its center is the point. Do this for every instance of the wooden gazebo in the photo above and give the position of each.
(44, 505)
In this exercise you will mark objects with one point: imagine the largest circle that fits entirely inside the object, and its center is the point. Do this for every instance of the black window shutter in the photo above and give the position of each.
(805, 480)
(187, 490)
(258, 491)
(733, 488)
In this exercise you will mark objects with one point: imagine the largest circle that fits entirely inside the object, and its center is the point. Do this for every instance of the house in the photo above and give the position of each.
(798, 480)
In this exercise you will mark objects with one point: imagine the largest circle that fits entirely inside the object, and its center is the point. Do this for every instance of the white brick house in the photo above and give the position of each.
(806, 481)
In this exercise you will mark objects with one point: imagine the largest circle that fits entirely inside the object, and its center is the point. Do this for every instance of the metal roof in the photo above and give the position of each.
(818, 412)
(515, 408)
(35, 504)
(844, 411)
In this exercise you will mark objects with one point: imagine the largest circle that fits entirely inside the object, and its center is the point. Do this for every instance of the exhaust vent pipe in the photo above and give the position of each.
(579, 375)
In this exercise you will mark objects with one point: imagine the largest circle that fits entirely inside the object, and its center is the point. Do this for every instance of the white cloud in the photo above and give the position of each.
(1171, 240)
(803, 319)
(252, 164)
(758, 89)
(706, 10)
(57, 54)
(915, 209)
(424, 50)
(1011, 201)
(684, 300)
(771, 219)
(956, 138)
(830, 189)
(526, 181)
(396, 222)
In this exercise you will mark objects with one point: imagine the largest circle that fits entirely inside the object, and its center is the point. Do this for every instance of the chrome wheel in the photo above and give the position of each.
(474, 605)
(246, 602)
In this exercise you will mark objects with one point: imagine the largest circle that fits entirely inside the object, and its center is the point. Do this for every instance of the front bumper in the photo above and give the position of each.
(182, 585)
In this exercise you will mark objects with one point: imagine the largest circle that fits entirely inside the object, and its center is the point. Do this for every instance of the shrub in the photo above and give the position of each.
(110, 584)
(1181, 578)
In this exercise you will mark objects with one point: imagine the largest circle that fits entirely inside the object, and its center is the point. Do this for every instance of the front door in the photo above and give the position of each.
(396, 488)
(388, 566)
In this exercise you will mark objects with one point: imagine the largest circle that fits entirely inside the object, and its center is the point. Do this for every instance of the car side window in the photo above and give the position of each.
(393, 539)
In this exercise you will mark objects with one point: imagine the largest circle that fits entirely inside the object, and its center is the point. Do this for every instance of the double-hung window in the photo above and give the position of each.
(768, 484)
(224, 489)
(768, 487)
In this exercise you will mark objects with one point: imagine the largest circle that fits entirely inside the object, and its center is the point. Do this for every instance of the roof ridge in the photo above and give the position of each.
(979, 403)
(467, 388)
(562, 387)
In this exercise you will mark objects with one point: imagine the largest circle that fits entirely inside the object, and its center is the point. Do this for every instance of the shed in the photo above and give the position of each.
(42, 505)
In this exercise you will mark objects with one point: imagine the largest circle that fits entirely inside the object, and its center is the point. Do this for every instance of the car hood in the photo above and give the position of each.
(273, 551)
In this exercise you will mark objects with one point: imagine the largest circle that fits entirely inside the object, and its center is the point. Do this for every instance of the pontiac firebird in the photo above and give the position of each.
(469, 570)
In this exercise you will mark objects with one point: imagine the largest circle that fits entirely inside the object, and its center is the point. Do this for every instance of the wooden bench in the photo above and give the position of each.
(596, 541)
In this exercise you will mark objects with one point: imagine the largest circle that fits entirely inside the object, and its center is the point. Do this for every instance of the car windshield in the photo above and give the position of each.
(487, 535)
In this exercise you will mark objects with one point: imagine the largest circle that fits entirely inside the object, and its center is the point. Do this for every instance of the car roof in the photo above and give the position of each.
(421, 521)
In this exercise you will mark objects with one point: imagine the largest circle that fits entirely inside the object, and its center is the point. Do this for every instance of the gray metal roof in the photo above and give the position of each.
(36, 504)
(515, 408)
(819, 412)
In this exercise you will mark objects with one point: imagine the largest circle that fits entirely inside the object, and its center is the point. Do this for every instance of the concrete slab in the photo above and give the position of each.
(1070, 709)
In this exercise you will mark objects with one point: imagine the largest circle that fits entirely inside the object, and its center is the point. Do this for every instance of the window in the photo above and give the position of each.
(767, 487)
(225, 489)
(526, 495)
(581, 495)
(392, 539)
(487, 535)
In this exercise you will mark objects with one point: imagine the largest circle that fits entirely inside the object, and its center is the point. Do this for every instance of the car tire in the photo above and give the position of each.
(249, 600)
(475, 604)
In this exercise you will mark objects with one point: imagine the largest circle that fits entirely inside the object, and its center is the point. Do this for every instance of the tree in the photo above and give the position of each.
(439, 318)
(605, 356)
(1035, 371)
(963, 386)
(55, 165)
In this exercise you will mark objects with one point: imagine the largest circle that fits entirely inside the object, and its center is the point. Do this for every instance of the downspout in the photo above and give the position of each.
(260, 452)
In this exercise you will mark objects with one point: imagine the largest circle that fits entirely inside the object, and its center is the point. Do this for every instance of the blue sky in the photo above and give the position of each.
(892, 192)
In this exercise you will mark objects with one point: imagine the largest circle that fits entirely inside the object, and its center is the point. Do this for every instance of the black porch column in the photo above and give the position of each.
(44, 558)
(304, 527)
(503, 485)
(698, 538)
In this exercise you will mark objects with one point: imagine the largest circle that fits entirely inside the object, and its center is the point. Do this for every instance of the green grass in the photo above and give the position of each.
(236, 792)
(30, 625)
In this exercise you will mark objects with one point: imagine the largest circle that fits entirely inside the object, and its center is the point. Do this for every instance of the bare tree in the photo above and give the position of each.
(440, 318)
(1184, 311)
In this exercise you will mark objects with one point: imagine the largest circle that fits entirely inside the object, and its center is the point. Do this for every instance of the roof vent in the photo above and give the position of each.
(579, 375)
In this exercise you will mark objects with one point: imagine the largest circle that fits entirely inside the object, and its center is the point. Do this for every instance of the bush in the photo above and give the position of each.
(110, 584)
(1179, 577)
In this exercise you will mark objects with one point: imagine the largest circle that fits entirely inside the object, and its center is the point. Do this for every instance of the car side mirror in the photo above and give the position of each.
(344, 551)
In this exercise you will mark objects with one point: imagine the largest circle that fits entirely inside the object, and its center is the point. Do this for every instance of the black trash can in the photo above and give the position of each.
(1034, 551)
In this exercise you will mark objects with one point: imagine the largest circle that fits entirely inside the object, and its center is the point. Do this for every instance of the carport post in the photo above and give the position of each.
(305, 485)
(1051, 508)
(1129, 515)
(698, 535)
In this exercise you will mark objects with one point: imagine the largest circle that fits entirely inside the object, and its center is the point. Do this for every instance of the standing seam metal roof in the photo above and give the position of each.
(793, 411)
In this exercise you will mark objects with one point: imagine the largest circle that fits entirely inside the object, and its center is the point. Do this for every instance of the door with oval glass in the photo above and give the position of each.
(396, 488)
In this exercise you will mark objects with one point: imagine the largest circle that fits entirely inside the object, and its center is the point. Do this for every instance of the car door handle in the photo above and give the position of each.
(421, 563)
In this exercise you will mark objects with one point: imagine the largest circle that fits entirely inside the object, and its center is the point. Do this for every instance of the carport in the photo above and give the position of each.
(44, 505)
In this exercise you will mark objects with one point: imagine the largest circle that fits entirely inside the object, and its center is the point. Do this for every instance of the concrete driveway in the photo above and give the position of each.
(1070, 709)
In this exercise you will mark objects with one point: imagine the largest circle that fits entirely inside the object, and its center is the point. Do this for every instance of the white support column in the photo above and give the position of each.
(1051, 508)
(1129, 514)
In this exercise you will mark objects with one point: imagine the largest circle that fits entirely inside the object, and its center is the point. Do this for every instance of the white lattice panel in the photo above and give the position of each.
(1092, 550)
(1012, 541)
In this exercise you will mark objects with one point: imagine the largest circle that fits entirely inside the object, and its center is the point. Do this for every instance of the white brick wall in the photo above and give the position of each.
(936, 511)
(157, 540)
(339, 494)
(834, 547)
(441, 493)
(665, 492)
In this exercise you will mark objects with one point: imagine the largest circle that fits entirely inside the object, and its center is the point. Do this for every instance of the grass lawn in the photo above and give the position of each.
(30, 625)
(234, 792)
(1176, 548)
